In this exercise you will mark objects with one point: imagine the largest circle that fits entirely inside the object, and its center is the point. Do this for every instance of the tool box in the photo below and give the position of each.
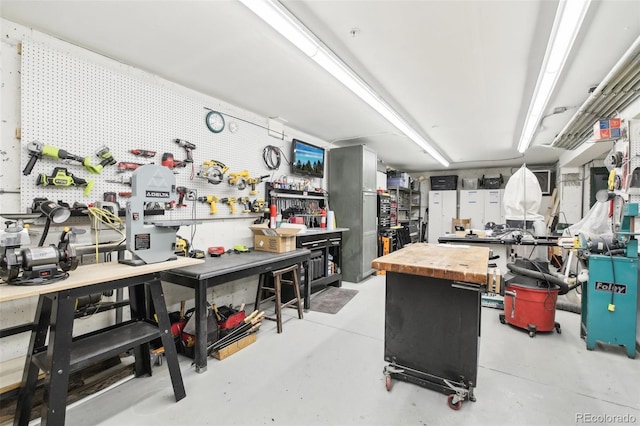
(444, 183)
(186, 328)
(228, 318)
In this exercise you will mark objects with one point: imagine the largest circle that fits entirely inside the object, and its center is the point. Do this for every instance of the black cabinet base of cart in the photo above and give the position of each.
(432, 333)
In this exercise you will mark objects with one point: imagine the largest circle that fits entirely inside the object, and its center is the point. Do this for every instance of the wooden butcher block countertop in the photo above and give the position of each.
(450, 262)
(87, 275)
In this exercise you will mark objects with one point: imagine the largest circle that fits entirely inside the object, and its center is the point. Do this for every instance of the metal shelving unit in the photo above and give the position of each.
(405, 205)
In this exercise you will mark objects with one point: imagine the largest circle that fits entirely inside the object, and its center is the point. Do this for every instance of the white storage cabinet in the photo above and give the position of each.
(442, 208)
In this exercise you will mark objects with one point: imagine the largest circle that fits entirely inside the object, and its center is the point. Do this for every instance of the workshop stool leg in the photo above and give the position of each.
(278, 280)
(261, 285)
(296, 291)
(297, 300)
(278, 287)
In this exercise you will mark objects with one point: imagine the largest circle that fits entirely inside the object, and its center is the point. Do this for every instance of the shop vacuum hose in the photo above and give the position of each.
(564, 288)
(569, 307)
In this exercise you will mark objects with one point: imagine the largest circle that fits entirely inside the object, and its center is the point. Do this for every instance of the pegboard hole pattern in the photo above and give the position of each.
(80, 106)
(634, 152)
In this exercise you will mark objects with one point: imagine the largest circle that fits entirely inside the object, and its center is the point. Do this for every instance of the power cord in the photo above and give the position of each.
(549, 297)
(272, 157)
(611, 306)
(193, 194)
(107, 218)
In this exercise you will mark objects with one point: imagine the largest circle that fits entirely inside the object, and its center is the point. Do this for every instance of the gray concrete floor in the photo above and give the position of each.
(327, 370)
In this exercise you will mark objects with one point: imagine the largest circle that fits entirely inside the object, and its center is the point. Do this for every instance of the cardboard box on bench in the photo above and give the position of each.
(278, 240)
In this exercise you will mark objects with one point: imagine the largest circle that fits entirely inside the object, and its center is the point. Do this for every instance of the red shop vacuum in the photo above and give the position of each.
(530, 296)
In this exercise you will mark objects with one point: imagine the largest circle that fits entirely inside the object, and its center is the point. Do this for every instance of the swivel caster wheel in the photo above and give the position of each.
(532, 330)
(558, 329)
(454, 402)
(387, 380)
(502, 319)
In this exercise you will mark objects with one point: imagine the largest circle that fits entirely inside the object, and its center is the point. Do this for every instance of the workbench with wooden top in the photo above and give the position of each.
(432, 316)
(63, 353)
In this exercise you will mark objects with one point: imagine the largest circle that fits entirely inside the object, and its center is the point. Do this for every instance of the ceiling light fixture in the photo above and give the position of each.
(281, 20)
(569, 17)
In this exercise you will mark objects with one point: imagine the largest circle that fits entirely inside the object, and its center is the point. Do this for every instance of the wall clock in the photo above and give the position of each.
(215, 121)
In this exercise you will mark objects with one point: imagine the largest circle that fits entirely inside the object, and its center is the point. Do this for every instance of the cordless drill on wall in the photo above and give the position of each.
(188, 147)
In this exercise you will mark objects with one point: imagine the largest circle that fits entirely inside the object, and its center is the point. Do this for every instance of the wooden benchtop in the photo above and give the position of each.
(451, 262)
(92, 274)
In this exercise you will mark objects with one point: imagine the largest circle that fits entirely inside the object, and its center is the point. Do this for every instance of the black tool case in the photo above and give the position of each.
(444, 183)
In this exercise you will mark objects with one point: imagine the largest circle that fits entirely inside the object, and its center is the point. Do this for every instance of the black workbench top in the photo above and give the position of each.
(538, 241)
(230, 263)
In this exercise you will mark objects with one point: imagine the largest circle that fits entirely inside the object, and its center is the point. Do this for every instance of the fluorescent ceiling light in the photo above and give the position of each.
(568, 20)
(285, 23)
(279, 18)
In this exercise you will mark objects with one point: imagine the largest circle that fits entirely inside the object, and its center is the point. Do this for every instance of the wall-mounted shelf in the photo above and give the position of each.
(297, 196)
(291, 202)
(276, 189)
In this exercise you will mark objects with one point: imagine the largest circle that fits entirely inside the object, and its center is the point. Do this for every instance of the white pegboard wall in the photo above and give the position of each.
(634, 152)
(80, 106)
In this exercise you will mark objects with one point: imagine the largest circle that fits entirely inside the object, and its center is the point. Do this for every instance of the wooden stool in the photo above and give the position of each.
(277, 291)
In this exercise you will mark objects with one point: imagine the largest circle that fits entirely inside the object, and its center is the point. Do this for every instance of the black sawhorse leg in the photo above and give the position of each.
(170, 351)
(54, 314)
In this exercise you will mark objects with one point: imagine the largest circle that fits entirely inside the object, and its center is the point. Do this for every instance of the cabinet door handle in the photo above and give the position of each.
(314, 243)
(466, 286)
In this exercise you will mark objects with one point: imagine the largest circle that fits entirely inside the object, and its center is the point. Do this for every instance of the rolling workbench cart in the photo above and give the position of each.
(432, 317)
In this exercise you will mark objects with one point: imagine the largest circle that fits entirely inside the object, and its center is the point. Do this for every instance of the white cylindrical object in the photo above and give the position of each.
(331, 220)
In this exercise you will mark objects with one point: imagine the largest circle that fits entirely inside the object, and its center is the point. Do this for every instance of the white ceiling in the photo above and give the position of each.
(461, 71)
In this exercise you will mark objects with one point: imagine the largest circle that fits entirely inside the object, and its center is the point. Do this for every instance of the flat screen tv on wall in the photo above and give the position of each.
(307, 159)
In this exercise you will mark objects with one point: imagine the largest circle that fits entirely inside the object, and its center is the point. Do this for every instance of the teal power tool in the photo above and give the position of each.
(62, 177)
(610, 296)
